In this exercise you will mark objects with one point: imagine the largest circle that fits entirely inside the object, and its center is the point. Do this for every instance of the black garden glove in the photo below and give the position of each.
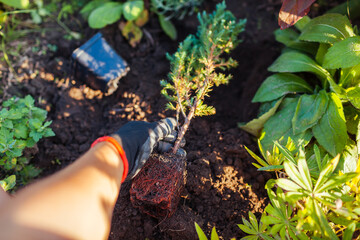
(139, 139)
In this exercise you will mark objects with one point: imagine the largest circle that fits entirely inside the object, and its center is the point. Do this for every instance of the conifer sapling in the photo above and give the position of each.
(193, 67)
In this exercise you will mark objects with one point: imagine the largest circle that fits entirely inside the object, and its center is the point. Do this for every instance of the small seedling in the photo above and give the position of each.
(156, 189)
(193, 67)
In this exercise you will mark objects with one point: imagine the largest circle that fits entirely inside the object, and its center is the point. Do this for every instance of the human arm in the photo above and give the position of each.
(77, 202)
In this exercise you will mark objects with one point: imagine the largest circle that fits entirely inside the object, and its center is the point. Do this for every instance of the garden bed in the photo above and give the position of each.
(222, 185)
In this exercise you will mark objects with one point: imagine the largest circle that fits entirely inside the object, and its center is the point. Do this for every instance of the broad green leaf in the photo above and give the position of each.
(21, 144)
(280, 84)
(89, 7)
(254, 126)
(8, 183)
(16, 3)
(8, 124)
(279, 126)
(300, 25)
(21, 131)
(35, 123)
(39, 114)
(168, 27)
(349, 158)
(331, 131)
(107, 13)
(14, 115)
(320, 54)
(328, 28)
(200, 232)
(35, 135)
(289, 38)
(344, 54)
(294, 61)
(266, 106)
(286, 36)
(309, 110)
(30, 142)
(352, 117)
(29, 101)
(133, 9)
(348, 76)
(48, 133)
(30, 171)
(353, 94)
(46, 124)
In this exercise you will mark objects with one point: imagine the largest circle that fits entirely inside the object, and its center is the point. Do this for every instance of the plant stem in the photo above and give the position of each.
(209, 69)
(183, 129)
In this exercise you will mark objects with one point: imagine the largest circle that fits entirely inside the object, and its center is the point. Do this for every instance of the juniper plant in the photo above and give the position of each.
(193, 67)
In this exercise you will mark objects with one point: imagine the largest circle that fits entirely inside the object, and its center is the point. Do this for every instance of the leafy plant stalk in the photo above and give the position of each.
(210, 68)
(193, 67)
(22, 125)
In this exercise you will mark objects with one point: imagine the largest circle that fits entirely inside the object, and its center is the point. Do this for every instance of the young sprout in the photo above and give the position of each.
(193, 67)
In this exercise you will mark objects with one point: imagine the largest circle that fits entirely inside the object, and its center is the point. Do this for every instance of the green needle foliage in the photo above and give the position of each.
(193, 67)
(22, 125)
(314, 94)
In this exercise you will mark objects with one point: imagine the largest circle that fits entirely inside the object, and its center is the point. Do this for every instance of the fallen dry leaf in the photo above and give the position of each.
(292, 11)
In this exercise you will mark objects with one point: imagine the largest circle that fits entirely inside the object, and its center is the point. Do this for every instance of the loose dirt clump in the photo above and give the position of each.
(157, 187)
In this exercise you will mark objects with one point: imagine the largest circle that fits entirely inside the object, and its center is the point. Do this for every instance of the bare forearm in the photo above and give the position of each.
(76, 203)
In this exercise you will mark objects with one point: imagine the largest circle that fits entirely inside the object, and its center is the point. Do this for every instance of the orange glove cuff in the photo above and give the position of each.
(119, 149)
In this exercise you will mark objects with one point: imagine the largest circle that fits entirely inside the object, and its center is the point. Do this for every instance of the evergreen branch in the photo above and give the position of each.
(194, 65)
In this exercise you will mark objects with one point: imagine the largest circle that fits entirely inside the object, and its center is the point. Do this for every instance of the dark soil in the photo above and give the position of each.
(222, 185)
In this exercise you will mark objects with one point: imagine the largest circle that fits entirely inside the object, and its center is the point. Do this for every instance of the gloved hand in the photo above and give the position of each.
(139, 139)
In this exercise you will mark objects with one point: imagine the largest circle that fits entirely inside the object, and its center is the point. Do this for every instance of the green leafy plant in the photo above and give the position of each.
(21, 4)
(193, 66)
(22, 125)
(314, 95)
(100, 13)
(175, 8)
(170, 9)
(319, 206)
(272, 161)
(202, 236)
